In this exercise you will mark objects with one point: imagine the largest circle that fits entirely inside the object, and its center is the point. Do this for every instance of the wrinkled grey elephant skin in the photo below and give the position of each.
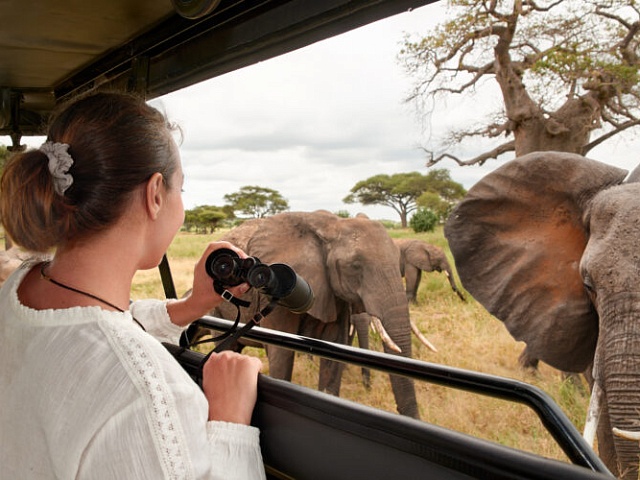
(352, 266)
(548, 243)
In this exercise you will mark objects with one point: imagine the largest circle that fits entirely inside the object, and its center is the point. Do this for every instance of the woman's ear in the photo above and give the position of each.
(154, 195)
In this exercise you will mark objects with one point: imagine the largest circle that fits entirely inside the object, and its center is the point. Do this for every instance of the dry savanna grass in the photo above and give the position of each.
(466, 336)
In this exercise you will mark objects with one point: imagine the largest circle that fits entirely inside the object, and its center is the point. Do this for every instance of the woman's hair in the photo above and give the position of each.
(116, 141)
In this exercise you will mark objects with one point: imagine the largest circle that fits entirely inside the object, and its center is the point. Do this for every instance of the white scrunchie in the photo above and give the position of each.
(59, 163)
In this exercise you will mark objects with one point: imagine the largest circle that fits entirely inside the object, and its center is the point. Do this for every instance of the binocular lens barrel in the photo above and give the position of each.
(277, 280)
(293, 291)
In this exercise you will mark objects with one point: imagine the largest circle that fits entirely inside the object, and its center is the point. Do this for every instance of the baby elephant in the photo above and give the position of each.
(417, 256)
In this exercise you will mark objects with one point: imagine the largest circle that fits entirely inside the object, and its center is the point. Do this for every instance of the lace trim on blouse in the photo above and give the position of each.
(143, 371)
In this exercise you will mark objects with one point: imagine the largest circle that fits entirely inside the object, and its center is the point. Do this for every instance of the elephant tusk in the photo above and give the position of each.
(423, 339)
(593, 415)
(376, 325)
(626, 434)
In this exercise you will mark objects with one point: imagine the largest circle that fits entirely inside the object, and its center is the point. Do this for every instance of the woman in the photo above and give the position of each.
(86, 390)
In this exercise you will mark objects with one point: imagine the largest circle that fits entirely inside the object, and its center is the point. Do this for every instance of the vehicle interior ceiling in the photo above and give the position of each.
(51, 50)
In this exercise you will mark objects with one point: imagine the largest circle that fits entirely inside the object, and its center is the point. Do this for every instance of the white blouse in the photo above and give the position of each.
(85, 393)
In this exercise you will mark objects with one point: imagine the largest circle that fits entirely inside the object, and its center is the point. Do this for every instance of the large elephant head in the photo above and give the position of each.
(351, 265)
(548, 244)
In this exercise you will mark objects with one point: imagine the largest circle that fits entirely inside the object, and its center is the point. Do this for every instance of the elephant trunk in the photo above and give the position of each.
(396, 322)
(447, 271)
(619, 372)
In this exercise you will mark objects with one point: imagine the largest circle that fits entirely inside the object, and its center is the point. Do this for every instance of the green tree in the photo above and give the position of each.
(442, 193)
(424, 220)
(401, 191)
(565, 69)
(204, 218)
(398, 191)
(257, 201)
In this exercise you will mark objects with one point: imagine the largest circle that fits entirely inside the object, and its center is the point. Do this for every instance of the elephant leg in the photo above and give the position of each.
(331, 372)
(337, 332)
(281, 359)
(280, 362)
(330, 376)
(361, 323)
(412, 276)
(527, 361)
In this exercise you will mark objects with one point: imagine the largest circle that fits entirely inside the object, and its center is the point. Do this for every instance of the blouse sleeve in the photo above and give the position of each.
(153, 315)
(235, 451)
(129, 445)
(155, 421)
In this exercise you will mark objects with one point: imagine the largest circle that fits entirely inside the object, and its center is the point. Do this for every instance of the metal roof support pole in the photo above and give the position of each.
(15, 98)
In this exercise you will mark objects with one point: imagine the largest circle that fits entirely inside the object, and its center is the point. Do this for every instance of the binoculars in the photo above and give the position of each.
(277, 280)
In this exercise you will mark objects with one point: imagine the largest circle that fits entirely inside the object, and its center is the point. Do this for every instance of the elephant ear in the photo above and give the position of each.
(517, 239)
(289, 238)
(420, 254)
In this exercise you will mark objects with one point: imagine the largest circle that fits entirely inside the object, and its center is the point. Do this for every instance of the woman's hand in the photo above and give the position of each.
(203, 298)
(230, 383)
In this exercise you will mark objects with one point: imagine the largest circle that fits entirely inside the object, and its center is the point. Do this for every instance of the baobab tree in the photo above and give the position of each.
(567, 71)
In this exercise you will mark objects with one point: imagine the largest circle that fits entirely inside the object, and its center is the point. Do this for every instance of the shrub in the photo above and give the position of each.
(424, 220)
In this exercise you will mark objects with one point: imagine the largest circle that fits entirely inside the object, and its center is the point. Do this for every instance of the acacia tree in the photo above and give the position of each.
(205, 218)
(257, 201)
(401, 191)
(566, 69)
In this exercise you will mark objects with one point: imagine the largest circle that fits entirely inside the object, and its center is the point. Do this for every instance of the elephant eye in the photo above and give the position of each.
(589, 288)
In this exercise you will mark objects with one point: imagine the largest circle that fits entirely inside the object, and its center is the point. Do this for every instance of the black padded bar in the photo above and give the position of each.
(552, 417)
(311, 435)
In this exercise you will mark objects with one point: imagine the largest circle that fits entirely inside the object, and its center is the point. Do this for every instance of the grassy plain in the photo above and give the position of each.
(466, 336)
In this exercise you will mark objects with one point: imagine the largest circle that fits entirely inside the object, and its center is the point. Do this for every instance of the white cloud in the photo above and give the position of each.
(310, 124)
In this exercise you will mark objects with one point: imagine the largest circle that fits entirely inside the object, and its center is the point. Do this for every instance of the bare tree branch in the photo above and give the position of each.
(602, 138)
(479, 160)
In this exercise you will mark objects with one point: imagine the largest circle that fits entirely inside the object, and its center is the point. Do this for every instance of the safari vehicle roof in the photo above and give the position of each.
(53, 49)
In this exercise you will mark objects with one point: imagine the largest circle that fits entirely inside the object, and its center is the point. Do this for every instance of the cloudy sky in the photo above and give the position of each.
(309, 124)
(312, 123)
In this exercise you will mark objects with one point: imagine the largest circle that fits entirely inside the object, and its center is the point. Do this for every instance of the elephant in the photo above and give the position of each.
(417, 256)
(351, 265)
(547, 243)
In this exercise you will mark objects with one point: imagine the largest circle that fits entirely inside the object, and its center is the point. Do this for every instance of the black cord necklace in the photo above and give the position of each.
(46, 277)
